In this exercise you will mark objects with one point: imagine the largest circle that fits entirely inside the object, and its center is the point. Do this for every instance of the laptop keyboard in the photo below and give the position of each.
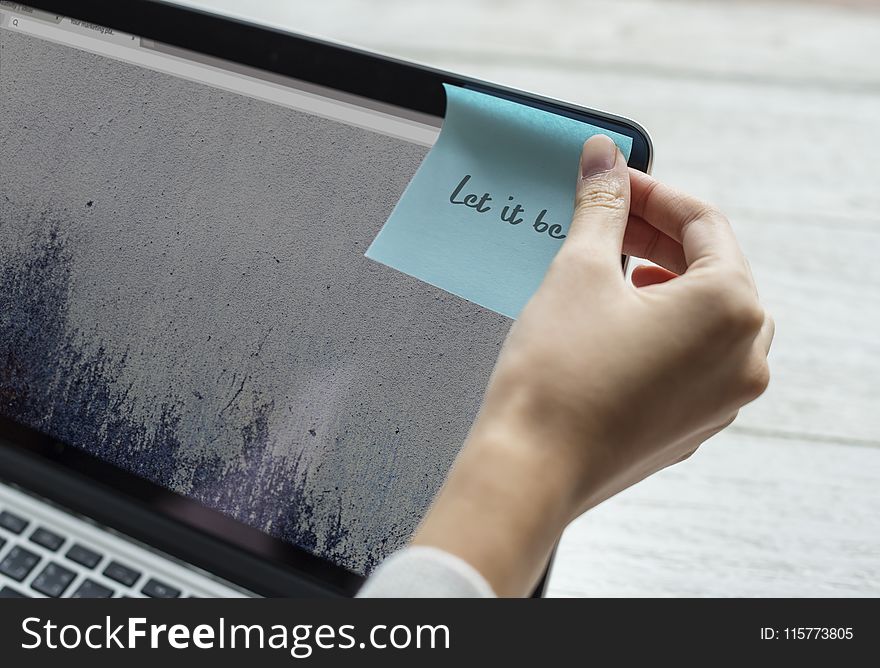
(46, 552)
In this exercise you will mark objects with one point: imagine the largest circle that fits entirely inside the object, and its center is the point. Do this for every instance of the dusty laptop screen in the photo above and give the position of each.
(184, 292)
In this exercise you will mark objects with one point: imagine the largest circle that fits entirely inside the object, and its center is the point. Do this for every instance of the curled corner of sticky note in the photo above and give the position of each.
(491, 202)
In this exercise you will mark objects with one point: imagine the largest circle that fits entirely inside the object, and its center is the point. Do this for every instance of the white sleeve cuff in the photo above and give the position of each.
(425, 572)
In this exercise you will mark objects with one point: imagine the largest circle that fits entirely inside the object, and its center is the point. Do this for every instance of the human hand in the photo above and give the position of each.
(601, 384)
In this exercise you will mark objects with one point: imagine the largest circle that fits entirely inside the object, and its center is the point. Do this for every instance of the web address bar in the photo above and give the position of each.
(121, 46)
(67, 31)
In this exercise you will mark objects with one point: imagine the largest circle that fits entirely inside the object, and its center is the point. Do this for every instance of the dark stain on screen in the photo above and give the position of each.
(51, 380)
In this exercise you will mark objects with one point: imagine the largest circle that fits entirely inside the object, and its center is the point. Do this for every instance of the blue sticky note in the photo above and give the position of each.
(456, 226)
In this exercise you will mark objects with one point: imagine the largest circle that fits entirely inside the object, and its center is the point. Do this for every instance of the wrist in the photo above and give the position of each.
(503, 507)
(527, 463)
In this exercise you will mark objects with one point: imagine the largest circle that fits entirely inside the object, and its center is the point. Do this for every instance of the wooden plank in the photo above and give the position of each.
(745, 516)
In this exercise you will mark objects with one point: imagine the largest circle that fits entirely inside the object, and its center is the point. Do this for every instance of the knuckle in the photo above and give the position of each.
(697, 209)
(739, 312)
(708, 211)
(729, 421)
(723, 424)
(757, 380)
(748, 317)
(605, 194)
(770, 323)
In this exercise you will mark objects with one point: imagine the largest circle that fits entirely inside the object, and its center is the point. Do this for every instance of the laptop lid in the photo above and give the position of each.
(187, 317)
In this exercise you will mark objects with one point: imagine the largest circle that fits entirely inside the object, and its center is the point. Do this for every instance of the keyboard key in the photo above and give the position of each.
(156, 589)
(13, 523)
(9, 592)
(53, 580)
(18, 563)
(48, 539)
(91, 589)
(122, 574)
(83, 556)
(2, 542)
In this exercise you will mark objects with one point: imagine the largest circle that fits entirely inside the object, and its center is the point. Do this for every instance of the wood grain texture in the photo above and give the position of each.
(745, 516)
(772, 111)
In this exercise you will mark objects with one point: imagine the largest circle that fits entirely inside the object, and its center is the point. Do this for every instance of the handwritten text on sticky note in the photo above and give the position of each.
(491, 203)
(510, 213)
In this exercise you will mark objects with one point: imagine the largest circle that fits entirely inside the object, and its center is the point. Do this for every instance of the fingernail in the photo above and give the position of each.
(599, 155)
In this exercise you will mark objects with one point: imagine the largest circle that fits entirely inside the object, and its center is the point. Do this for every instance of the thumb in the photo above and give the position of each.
(601, 207)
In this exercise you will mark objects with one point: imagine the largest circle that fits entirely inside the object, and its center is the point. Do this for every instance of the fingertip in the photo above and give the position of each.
(600, 154)
(649, 274)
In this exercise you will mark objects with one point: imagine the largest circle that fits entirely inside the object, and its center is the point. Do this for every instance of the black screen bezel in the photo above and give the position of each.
(34, 460)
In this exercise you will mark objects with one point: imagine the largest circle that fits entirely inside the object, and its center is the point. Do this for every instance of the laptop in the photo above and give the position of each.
(206, 389)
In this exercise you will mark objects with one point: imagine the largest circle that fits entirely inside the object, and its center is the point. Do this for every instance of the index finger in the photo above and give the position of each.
(703, 232)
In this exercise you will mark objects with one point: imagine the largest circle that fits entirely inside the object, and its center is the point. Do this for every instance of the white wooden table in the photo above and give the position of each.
(771, 110)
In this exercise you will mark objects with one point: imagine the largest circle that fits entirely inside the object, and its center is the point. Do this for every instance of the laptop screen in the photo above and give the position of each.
(184, 292)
